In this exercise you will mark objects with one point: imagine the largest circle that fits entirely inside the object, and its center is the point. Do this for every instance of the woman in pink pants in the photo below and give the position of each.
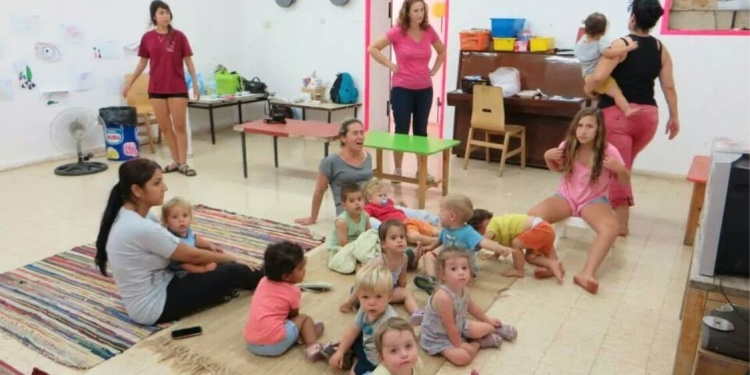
(635, 74)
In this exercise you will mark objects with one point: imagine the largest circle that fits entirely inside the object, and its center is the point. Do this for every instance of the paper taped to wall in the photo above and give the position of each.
(131, 49)
(25, 24)
(6, 90)
(106, 50)
(114, 85)
(54, 98)
(71, 33)
(24, 74)
(83, 81)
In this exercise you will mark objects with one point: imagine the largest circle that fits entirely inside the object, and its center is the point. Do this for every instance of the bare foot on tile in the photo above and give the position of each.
(512, 272)
(586, 282)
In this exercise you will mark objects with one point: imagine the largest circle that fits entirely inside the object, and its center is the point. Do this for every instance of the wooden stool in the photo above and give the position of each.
(698, 175)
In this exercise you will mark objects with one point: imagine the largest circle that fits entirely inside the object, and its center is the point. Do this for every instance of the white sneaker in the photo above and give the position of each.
(430, 178)
(396, 172)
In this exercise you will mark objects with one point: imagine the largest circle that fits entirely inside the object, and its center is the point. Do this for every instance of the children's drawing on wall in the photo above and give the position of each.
(25, 24)
(54, 98)
(131, 49)
(47, 52)
(113, 85)
(106, 50)
(83, 81)
(6, 90)
(71, 33)
(25, 78)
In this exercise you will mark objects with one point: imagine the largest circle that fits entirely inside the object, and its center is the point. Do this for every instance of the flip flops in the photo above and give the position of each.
(315, 286)
(426, 283)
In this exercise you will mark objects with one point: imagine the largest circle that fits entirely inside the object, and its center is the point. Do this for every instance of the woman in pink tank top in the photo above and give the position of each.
(411, 86)
(635, 73)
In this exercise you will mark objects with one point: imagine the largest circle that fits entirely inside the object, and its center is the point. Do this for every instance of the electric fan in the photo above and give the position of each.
(81, 129)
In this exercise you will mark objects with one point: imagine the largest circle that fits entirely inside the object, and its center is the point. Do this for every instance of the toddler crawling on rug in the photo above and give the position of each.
(177, 216)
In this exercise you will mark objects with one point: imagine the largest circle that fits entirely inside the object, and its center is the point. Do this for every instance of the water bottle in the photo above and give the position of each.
(525, 35)
(214, 90)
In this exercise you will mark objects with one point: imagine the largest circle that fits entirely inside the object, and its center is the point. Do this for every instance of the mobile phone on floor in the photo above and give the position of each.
(187, 332)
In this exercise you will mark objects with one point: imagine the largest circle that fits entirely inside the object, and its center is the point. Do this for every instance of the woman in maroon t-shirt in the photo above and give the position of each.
(165, 49)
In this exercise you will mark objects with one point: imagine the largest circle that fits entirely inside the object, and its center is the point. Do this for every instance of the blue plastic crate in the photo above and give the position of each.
(507, 27)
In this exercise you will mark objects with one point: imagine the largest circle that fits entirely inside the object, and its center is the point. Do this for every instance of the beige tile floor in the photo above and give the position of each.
(630, 327)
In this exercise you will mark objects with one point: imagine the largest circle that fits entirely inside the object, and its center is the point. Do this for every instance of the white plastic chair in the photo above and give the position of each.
(562, 226)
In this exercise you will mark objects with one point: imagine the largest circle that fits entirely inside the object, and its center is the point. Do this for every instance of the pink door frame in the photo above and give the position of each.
(368, 61)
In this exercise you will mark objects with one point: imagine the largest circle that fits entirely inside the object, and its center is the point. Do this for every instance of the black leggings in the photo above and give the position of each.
(197, 291)
(404, 103)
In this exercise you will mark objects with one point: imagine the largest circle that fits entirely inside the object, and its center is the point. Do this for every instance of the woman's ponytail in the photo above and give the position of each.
(136, 172)
(114, 203)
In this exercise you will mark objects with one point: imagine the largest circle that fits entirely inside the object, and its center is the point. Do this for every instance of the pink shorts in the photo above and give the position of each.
(577, 207)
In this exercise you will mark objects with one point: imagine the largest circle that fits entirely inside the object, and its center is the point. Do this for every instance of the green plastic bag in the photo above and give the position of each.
(227, 83)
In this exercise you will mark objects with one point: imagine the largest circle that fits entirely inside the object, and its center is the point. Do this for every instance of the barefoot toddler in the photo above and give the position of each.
(522, 232)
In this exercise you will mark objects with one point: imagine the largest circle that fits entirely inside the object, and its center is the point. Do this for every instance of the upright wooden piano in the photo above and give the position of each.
(546, 120)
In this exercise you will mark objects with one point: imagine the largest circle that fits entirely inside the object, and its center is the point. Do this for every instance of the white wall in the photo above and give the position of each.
(26, 119)
(711, 73)
(284, 45)
(281, 46)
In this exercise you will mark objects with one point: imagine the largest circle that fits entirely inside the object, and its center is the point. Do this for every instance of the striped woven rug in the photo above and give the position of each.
(63, 308)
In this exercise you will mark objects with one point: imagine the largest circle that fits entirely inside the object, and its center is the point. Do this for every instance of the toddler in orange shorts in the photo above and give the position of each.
(522, 232)
(379, 206)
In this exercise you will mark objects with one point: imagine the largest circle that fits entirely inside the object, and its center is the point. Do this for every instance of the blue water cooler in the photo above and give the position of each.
(121, 133)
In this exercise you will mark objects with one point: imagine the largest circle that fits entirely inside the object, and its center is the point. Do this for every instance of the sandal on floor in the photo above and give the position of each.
(426, 283)
(507, 332)
(493, 340)
(329, 349)
(349, 359)
(187, 171)
(315, 352)
(174, 167)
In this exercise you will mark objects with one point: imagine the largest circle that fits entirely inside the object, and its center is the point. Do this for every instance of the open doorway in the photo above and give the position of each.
(379, 19)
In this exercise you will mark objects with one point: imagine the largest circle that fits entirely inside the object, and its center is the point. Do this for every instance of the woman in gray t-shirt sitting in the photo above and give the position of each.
(139, 250)
(350, 165)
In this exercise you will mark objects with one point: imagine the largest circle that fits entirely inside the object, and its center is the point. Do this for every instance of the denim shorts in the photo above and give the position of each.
(275, 350)
(577, 207)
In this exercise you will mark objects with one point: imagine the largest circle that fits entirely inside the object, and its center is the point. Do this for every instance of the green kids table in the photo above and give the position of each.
(422, 147)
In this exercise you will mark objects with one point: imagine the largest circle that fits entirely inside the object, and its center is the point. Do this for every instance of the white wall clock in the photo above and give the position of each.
(285, 3)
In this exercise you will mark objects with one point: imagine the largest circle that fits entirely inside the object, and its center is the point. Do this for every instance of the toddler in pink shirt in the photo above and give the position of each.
(274, 323)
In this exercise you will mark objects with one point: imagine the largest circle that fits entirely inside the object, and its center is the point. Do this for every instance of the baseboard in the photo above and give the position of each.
(98, 153)
(665, 175)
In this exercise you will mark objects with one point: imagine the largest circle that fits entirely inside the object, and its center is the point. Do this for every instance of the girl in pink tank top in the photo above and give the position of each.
(588, 164)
